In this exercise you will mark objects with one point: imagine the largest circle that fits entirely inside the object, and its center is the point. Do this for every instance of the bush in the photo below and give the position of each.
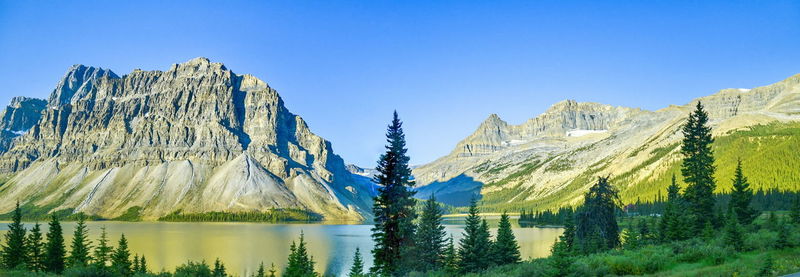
(762, 240)
(89, 271)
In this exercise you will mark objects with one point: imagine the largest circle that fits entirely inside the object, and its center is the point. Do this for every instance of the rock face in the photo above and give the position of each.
(20, 115)
(194, 138)
(552, 159)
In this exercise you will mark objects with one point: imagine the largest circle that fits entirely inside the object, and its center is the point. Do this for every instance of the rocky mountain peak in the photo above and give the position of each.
(215, 140)
(78, 80)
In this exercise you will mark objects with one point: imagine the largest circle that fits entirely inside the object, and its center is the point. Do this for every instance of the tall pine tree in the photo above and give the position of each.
(733, 232)
(357, 269)
(505, 249)
(14, 254)
(54, 249)
(671, 226)
(741, 196)
(698, 167)
(430, 238)
(79, 252)
(300, 263)
(450, 262)
(103, 251)
(394, 206)
(596, 226)
(121, 258)
(219, 269)
(35, 247)
(475, 247)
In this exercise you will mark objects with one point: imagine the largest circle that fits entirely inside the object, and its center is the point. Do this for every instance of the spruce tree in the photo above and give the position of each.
(300, 263)
(430, 237)
(596, 226)
(54, 249)
(671, 226)
(505, 248)
(733, 233)
(698, 167)
(219, 269)
(475, 247)
(135, 265)
(795, 210)
(103, 251)
(273, 272)
(121, 258)
(741, 196)
(394, 206)
(783, 236)
(560, 258)
(14, 254)
(142, 265)
(35, 247)
(450, 262)
(260, 272)
(357, 269)
(79, 253)
(568, 237)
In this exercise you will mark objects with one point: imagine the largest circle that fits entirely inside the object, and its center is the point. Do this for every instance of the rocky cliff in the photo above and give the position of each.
(18, 117)
(550, 160)
(196, 137)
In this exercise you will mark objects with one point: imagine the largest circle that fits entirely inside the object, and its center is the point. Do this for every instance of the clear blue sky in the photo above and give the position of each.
(444, 65)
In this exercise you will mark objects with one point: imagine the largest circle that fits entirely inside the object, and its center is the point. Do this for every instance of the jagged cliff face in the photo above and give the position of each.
(195, 138)
(18, 117)
(552, 159)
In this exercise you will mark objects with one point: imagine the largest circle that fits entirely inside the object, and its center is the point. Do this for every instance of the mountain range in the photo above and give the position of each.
(194, 138)
(550, 160)
(200, 138)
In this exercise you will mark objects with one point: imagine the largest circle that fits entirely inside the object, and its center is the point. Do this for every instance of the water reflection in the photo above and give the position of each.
(242, 246)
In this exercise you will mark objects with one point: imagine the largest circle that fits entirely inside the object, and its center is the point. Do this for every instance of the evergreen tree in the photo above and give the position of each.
(394, 206)
(450, 262)
(260, 272)
(300, 263)
(630, 238)
(645, 236)
(272, 271)
(795, 213)
(135, 266)
(698, 167)
(35, 247)
(54, 249)
(142, 265)
(568, 237)
(102, 253)
(219, 269)
(79, 253)
(596, 229)
(783, 237)
(708, 231)
(121, 258)
(430, 237)
(768, 267)
(475, 247)
(357, 270)
(741, 196)
(733, 233)
(560, 258)
(14, 254)
(672, 227)
(505, 248)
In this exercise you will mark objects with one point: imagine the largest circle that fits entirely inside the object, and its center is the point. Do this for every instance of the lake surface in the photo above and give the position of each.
(242, 246)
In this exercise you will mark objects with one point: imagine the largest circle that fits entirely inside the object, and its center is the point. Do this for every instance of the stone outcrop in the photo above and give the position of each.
(18, 117)
(196, 137)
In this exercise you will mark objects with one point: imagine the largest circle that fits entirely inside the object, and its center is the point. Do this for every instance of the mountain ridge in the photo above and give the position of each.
(550, 159)
(194, 138)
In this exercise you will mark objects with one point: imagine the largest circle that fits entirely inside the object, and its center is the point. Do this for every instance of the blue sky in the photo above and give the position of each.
(444, 65)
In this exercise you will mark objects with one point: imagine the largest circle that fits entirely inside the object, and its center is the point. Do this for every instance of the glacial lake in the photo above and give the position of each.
(242, 246)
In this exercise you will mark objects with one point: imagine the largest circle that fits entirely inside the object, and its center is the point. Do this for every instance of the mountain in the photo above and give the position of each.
(552, 159)
(194, 138)
(18, 117)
